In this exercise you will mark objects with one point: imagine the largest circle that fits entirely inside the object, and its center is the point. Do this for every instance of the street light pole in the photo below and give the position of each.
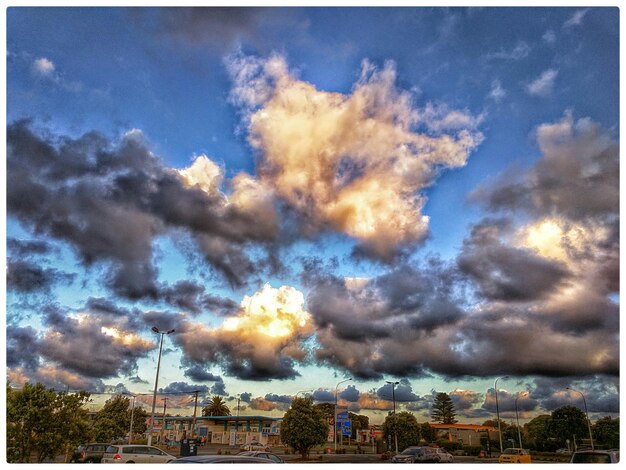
(132, 415)
(586, 414)
(335, 420)
(303, 391)
(495, 386)
(519, 433)
(156, 379)
(393, 397)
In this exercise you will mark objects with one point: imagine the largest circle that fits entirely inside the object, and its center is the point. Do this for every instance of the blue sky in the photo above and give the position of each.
(428, 195)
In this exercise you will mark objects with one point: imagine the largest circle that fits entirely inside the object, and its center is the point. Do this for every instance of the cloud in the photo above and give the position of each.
(543, 85)
(28, 277)
(403, 392)
(43, 67)
(350, 394)
(497, 93)
(285, 399)
(323, 396)
(199, 374)
(263, 404)
(520, 51)
(576, 18)
(109, 200)
(263, 341)
(549, 37)
(352, 163)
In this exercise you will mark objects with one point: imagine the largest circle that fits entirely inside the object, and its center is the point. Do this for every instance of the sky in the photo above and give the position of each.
(318, 201)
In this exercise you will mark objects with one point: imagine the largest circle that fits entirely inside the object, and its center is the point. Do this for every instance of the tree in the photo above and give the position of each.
(113, 420)
(43, 422)
(605, 432)
(407, 428)
(443, 409)
(538, 431)
(428, 433)
(216, 407)
(568, 422)
(328, 409)
(358, 422)
(304, 426)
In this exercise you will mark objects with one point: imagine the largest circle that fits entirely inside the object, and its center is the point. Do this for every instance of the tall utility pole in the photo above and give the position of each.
(335, 421)
(495, 387)
(163, 424)
(586, 414)
(156, 380)
(195, 408)
(132, 416)
(393, 397)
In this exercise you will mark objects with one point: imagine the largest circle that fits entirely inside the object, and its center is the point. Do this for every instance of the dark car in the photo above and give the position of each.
(89, 453)
(263, 455)
(595, 456)
(222, 459)
(416, 455)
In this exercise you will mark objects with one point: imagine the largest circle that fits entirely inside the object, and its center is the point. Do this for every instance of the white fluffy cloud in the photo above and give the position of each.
(355, 163)
(43, 67)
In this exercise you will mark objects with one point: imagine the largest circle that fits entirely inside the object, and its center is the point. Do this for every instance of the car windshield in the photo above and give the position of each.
(591, 458)
(510, 451)
(410, 451)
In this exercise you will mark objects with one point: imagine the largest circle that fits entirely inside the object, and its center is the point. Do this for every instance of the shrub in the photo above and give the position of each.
(472, 450)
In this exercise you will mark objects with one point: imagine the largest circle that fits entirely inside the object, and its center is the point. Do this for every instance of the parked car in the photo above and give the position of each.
(444, 455)
(254, 445)
(416, 454)
(595, 456)
(135, 454)
(245, 459)
(514, 455)
(263, 455)
(408, 455)
(89, 453)
(563, 450)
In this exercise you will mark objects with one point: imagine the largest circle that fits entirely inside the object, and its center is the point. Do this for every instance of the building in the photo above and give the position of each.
(226, 430)
(466, 434)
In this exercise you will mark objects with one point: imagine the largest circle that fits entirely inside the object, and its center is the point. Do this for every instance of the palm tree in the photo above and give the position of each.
(216, 407)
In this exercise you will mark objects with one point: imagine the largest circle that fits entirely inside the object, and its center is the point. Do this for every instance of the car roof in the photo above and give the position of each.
(219, 458)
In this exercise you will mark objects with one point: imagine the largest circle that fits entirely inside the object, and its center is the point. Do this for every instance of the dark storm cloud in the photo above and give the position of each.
(108, 200)
(601, 393)
(323, 396)
(137, 380)
(246, 397)
(403, 392)
(350, 394)
(103, 306)
(278, 398)
(199, 374)
(504, 272)
(577, 176)
(24, 248)
(219, 388)
(22, 347)
(29, 277)
(184, 388)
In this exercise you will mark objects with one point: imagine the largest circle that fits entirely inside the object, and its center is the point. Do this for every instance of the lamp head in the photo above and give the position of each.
(171, 331)
(155, 329)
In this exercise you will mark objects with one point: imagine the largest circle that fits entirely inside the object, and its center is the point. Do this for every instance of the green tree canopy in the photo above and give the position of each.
(443, 409)
(304, 426)
(428, 433)
(568, 422)
(605, 432)
(327, 408)
(113, 420)
(407, 428)
(217, 407)
(538, 432)
(43, 422)
(358, 422)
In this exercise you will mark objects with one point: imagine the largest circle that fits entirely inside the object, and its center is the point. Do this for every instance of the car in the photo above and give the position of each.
(416, 454)
(89, 453)
(254, 445)
(262, 454)
(244, 459)
(514, 455)
(563, 450)
(131, 453)
(595, 456)
(444, 455)
(408, 455)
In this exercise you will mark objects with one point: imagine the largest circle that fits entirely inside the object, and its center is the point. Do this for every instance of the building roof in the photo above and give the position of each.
(475, 427)
(221, 418)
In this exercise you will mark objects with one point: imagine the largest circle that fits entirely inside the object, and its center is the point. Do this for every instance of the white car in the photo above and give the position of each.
(135, 454)
(254, 445)
(444, 455)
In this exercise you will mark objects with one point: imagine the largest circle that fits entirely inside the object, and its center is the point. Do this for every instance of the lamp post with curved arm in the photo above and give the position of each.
(156, 380)
(495, 387)
(303, 391)
(586, 414)
(335, 420)
(519, 433)
(393, 397)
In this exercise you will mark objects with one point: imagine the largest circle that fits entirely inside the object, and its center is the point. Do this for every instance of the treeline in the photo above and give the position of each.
(43, 423)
